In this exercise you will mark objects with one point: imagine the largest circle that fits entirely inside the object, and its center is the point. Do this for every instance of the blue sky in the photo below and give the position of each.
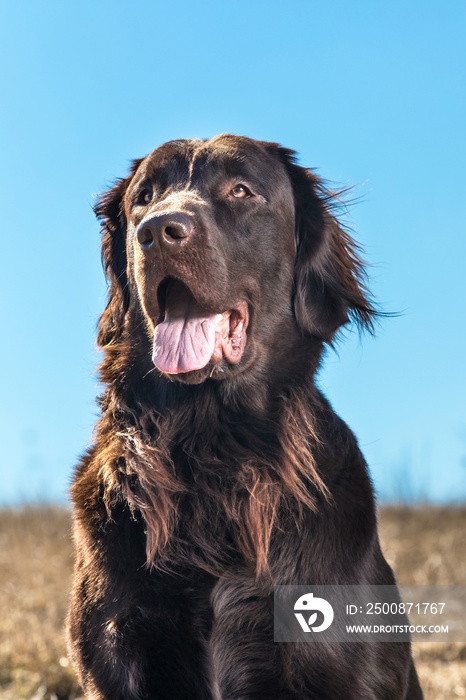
(371, 94)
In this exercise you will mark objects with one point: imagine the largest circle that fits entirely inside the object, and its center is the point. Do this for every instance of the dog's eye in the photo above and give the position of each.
(145, 196)
(241, 192)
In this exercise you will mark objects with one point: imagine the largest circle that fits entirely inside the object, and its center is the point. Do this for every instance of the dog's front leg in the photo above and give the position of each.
(136, 633)
(246, 661)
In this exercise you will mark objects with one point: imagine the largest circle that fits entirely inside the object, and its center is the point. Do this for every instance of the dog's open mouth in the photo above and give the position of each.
(188, 337)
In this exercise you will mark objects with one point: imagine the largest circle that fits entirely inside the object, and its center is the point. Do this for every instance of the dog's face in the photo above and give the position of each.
(228, 248)
(210, 238)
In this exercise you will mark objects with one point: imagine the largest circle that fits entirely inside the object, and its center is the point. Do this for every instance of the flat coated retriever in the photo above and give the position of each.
(218, 469)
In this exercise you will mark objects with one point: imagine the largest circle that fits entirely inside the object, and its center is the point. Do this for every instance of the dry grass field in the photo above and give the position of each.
(424, 546)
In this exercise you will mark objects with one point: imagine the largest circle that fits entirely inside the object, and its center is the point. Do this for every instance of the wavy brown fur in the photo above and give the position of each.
(259, 488)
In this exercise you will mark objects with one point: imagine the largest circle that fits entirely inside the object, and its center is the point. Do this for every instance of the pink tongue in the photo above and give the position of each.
(185, 340)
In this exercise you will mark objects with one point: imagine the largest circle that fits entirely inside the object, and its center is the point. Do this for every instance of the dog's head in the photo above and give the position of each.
(225, 249)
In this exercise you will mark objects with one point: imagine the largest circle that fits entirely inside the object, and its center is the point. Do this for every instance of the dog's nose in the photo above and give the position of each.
(172, 229)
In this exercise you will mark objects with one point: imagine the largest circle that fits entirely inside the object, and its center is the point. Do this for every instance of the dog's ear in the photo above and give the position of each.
(110, 212)
(330, 279)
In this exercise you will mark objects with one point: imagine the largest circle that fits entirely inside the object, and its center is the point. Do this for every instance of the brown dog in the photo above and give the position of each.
(219, 470)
